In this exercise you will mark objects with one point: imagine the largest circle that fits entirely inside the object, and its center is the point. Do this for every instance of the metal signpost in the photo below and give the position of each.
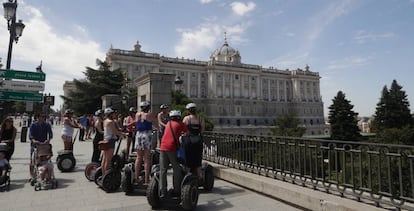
(10, 89)
(21, 96)
(24, 75)
(22, 86)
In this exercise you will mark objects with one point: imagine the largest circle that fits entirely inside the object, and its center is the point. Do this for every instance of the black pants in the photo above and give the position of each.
(81, 134)
(96, 154)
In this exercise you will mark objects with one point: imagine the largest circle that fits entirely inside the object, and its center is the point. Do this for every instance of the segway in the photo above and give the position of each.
(90, 170)
(111, 180)
(127, 183)
(65, 160)
(188, 198)
(208, 177)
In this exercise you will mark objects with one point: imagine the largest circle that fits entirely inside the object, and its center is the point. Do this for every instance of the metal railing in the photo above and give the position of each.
(380, 174)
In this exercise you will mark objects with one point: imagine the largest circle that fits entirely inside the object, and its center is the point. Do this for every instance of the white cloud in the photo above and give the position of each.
(290, 61)
(348, 62)
(289, 34)
(362, 37)
(64, 56)
(205, 38)
(328, 16)
(241, 8)
(206, 1)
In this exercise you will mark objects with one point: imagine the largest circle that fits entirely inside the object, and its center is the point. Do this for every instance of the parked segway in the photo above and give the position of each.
(128, 175)
(66, 160)
(188, 198)
(111, 180)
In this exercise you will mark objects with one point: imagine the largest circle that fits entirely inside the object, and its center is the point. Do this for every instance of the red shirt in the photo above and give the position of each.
(168, 143)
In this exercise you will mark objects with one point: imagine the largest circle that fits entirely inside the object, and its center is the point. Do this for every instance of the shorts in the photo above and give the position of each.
(143, 140)
(45, 164)
(66, 138)
(112, 143)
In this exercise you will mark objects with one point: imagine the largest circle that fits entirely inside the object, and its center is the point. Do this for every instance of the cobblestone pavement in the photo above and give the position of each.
(75, 192)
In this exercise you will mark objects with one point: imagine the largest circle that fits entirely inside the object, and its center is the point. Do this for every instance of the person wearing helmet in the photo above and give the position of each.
(168, 152)
(162, 118)
(67, 129)
(194, 149)
(130, 128)
(110, 135)
(144, 126)
(99, 131)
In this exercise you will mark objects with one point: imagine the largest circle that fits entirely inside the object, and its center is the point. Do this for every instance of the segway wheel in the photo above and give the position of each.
(208, 183)
(126, 182)
(90, 170)
(117, 162)
(98, 174)
(32, 181)
(66, 163)
(153, 197)
(111, 180)
(189, 195)
(37, 187)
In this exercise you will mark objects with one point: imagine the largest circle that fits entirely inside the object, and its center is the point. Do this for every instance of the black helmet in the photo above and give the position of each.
(163, 106)
(68, 111)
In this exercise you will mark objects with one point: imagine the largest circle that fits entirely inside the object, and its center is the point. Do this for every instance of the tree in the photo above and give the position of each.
(392, 109)
(287, 125)
(87, 96)
(343, 120)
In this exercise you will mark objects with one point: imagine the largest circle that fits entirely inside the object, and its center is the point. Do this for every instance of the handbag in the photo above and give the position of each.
(103, 145)
(180, 149)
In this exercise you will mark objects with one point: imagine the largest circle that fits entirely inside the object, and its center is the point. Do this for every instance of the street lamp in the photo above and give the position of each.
(15, 28)
(178, 81)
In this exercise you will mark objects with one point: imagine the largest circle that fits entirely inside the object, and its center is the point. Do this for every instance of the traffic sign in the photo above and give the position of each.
(22, 85)
(24, 75)
(21, 96)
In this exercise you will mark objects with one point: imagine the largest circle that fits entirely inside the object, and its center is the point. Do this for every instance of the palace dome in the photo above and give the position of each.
(226, 54)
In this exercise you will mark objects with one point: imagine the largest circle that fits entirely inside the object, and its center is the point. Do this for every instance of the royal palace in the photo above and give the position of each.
(237, 97)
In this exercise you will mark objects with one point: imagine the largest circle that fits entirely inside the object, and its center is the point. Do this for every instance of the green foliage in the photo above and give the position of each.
(287, 125)
(87, 96)
(19, 107)
(393, 109)
(403, 135)
(179, 100)
(343, 120)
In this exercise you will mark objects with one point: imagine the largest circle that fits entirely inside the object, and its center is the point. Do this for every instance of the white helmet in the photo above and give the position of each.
(132, 109)
(98, 112)
(191, 105)
(108, 111)
(175, 114)
(144, 104)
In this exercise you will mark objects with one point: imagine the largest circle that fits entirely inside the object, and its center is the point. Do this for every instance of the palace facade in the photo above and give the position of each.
(237, 97)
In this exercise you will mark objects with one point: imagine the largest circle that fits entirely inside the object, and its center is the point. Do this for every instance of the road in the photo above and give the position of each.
(75, 192)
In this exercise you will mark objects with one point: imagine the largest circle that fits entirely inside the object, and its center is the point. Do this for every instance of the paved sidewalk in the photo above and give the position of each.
(75, 192)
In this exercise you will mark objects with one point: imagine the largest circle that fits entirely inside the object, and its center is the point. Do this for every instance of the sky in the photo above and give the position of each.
(356, 46)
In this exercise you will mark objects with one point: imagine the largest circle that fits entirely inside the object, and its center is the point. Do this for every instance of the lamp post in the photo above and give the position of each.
(15, 28)
(178, 82)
